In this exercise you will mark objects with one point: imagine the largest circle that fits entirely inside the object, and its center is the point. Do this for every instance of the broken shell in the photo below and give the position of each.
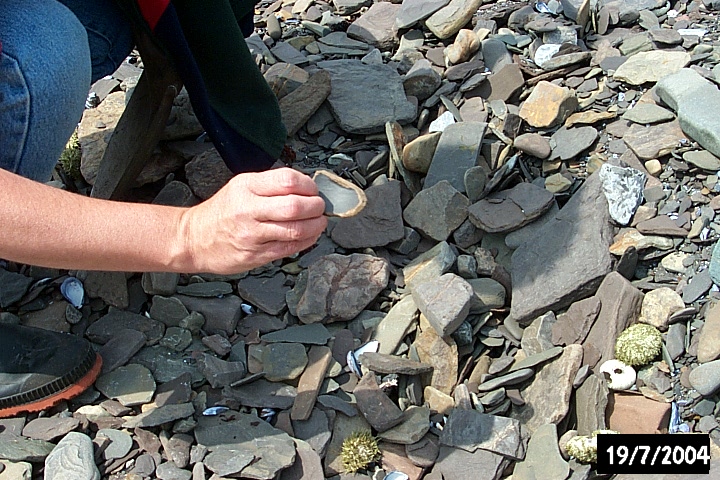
(352, 356)
(620, 376)
(247, 309)
(73, 291)
(396, 476)
(213, 411)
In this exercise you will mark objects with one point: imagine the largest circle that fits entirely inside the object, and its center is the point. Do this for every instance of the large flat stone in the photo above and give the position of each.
(355, 110)
(697, 119)
(456, 152)
(568, 259)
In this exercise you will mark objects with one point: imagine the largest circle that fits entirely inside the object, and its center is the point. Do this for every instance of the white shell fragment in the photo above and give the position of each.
(397, 476)
(73, 291)
(213, 411)
(621, 376)
(353, 355)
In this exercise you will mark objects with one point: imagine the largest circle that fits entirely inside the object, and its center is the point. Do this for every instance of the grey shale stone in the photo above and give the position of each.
(273, 448)
(445, 301)
(511, 209)
(620, 307)
(340, 286)
(378, 224)
(19, 449)
(72, 459)
(357, 112)
(543, 459)
(413, 11)
(680, 91)
(377, 408)
(471, 430)
(456, 152)
(437, 211)
(623, 189)
(569, 258)
(12, 287)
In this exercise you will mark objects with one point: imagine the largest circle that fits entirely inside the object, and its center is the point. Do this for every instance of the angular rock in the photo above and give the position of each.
(376, 26)
(575, 243)
(221, 314)
(299, 105)
(574, 325)
(284, 361)
(384, 363)
(262, 394)
(431, 264)
(548, 105)
(621, 303)
(445, 302)
(654, 141)
(72, 458)
(591, 399)
(422, 80)
(414, 425)
(283, 78)
(267, 293)
(441, 353)
(116, 321)
(49, 429)
(547, 398)
(568, 143)
(273, 448)
(456, 152)
(447, 21)
(20, 449)
(537, 337)
(220, 373)
(503, 84)
(341, 286)
(649, 67)
(437, 211)
(378, 224)
(375, 405)
(633, 413)
(511, 209)
(697, 120)
(357, 112)
(413, 11)
(130, 385)
(658, 305)
(623, 189)
(708, 345)
(543, 458)
(471, 430)
(399, 321)
(310, 382)
(12, 287)
(207, 173)
(456, 462)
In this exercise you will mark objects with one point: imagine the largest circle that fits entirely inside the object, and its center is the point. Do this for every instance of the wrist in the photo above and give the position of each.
(181, 252)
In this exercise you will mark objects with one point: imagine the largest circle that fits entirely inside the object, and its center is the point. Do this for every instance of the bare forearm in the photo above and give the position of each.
(256, 218)
(49, 227)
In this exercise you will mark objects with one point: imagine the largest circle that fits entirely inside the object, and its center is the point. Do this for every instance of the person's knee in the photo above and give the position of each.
(46, 81)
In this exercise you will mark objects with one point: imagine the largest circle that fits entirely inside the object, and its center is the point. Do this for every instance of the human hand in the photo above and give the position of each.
(254, 219)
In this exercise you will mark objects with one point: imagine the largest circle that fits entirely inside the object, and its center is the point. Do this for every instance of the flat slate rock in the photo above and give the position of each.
(383, 363)
(471, 430)
(456, 152)
(567, 260)
(262, 394)
(511, 209)
(357, 112)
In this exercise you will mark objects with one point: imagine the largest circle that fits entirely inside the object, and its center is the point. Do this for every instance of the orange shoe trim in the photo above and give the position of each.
(71, 392)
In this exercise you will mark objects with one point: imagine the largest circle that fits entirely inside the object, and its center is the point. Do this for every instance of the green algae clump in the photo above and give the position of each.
(359, 450)
(638, 344)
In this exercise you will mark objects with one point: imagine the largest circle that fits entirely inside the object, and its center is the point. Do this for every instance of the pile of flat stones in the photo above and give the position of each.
(539, 176)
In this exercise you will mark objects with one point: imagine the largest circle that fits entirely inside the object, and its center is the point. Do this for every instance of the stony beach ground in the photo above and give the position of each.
(539, 177)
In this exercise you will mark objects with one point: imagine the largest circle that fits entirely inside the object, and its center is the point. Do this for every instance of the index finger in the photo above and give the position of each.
(280, 181)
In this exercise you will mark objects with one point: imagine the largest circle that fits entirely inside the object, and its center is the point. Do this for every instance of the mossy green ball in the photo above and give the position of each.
(638, 344)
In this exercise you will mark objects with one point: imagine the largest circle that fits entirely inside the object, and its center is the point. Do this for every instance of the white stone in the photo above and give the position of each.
(442, 122)
(623, 188)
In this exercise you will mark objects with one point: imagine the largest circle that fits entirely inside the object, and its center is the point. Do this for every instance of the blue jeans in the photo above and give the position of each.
(52, 51)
